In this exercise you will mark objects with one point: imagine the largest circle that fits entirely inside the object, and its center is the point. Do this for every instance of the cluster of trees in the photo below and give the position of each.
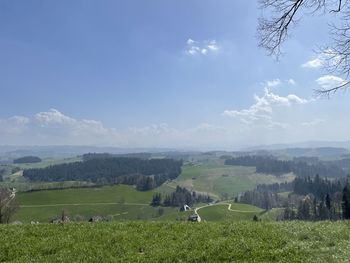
(310, 198)
(89, 156)
(179, 198)
(318, 186)
(276, 187)
(328, 207)
(8, 205)
(265, 200)
(2, 172)
(267, 164)
(145, 174)
(27, 159)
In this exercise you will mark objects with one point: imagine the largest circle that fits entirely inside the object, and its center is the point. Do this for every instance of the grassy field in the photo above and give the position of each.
(16, 180)
(237, 212)
(119, 202)
(271, 215)
(177, 242)
(47, 162)
(215, 178)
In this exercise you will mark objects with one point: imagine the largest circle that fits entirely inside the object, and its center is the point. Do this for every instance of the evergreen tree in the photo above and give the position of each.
(156, 199)
(346, 202)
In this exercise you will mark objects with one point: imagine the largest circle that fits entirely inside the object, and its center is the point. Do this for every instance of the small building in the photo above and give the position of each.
(194, 218)
(185, 208)
(95, 219)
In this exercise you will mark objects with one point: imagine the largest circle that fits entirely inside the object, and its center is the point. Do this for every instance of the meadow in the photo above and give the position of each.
(177, 242)
(121, 202)
(118, 202)
(229, 212)
(218, 180)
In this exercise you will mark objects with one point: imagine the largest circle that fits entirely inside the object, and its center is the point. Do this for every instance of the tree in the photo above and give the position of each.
(304, 209)
(8, 205)
(274, 30)
(156, 199)
(328, 202)
(346, 202)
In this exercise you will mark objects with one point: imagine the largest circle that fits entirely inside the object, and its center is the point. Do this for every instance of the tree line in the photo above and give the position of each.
(145, 174)
(311, 198)
(270, 165)
(89, 156)
(27, 159)
(179, 198)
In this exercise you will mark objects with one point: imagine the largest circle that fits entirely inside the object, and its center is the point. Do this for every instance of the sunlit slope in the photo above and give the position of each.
(117, 202)
(174, 242)
(215, 178)
(228, 212)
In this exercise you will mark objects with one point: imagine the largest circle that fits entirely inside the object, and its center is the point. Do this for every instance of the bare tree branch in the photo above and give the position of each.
(274, 30)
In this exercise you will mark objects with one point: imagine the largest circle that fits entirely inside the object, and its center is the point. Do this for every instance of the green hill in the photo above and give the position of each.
(118, 202)
(217, 179)
(177, 242)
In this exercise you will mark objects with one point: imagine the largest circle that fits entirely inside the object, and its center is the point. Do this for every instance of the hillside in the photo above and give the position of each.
(185, 242)
(220, 180)
(118, 202)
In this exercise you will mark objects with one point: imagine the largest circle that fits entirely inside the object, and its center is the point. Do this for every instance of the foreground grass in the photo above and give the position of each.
(177, 242)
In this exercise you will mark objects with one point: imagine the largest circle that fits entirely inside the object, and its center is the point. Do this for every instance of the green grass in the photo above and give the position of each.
(17, 181)
(215, 178)
(177, 242)
(118, 202)
(220, 212)
(272, 214)
(47, 162)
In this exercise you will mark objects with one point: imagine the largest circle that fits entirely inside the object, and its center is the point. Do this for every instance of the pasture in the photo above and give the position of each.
(220, 180)
(229, 212)
(118, 202)
(177, 242)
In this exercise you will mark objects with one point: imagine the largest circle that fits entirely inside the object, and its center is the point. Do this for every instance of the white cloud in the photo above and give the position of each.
(53, 116)
(330, 81)
(190, 41)
(292, 82)
(328, 58)
(314, 122)
(206, 47)
(314, 63)
(53, 127)
(273, 83)
(263, 107)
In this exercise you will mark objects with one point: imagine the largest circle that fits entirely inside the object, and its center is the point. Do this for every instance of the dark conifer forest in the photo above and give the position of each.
(145, 174)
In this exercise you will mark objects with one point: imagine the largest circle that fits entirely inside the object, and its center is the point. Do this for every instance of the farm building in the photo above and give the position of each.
(194, 218)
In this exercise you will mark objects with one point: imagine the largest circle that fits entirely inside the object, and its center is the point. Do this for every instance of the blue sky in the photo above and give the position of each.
(159, 74)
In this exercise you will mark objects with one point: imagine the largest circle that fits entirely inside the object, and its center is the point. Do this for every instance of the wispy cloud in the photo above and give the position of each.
(314, 122)
(194, 48)
(263, 108)
(292, 82)
(54, 127)
(313, 63)
(273, 83)
(330, 81)
(327, 58)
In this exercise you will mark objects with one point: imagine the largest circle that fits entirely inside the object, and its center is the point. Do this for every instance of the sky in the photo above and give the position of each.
(164, 74)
